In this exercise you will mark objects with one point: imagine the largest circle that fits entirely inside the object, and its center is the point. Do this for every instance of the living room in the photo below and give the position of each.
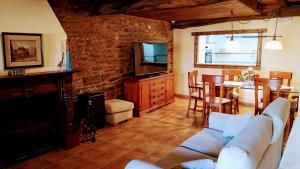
(110, 84)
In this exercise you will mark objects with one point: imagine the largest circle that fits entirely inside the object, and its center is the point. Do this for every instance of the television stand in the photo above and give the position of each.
(149, 93)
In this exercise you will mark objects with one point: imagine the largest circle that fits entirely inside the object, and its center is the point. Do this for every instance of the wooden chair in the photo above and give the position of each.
(194, 91)
(270, 90)
(233, 75)
(285, 76)
(210, 101)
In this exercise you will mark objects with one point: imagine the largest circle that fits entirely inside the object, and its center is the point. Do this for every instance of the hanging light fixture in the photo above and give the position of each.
(274, 44)
(232, 44)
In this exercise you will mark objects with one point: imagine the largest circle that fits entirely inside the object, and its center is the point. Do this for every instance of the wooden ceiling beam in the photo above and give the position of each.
(284, 12)
(212, 11)
(252, 4)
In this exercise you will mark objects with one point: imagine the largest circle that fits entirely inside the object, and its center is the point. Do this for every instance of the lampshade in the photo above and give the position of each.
(273, 45)
(232, 45)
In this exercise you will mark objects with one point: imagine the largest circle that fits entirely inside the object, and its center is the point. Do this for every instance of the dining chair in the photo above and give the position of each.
(211, 102)
(270, 91)
(233, 75)
(286, 78)
(194, 92)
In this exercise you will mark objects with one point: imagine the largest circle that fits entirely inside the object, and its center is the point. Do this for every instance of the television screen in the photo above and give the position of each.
(150, 58)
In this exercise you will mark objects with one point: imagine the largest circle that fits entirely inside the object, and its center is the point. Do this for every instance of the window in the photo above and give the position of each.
(210, 50)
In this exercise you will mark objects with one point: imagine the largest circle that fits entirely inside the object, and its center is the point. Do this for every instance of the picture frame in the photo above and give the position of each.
(22, 50)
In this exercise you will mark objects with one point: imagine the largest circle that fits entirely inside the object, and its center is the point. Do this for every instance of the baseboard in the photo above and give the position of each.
(181, 96)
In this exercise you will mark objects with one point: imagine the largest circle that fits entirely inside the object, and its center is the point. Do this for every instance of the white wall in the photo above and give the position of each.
(33, 16)
(287, 59)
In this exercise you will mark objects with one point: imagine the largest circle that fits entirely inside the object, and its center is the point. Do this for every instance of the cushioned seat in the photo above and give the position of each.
(208, 141)
(179, 155)
(118, 110)
(116, 105)
(224, 100)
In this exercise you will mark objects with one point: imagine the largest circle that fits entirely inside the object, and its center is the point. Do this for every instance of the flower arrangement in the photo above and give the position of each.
(249, 75)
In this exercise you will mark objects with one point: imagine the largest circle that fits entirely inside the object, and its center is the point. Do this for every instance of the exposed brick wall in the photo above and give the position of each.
(102, 46)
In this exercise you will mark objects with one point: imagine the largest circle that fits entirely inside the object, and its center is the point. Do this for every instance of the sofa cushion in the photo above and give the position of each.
(180, 155)
(235, 124)
(279, 111)
(246, 149)
(207, 141)
(117, 105)
(217, 120)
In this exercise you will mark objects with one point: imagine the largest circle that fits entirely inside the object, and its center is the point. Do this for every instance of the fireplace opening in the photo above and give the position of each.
(29, 125)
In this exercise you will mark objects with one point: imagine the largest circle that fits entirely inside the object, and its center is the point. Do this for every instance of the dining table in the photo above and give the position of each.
(230, 85)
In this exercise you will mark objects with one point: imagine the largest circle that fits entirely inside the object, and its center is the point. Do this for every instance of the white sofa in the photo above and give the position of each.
(257, 146)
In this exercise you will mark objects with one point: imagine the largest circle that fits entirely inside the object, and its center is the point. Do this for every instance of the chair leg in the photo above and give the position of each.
(237, 105)
(234, 106)
(189, 107)
(292, 116)
(195, 107)
(203, 113)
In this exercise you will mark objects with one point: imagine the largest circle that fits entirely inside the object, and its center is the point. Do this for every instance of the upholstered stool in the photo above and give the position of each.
(118, 110)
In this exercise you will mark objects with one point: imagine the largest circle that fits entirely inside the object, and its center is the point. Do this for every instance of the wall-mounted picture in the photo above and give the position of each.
(22, 50)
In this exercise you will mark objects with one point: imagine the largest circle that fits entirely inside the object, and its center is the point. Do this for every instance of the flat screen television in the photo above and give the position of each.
(150, 58)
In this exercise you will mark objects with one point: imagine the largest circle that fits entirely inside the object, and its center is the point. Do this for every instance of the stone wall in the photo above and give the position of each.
(102, 46)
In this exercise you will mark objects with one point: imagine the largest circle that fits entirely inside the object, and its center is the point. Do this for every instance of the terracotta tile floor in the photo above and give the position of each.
(147, 138)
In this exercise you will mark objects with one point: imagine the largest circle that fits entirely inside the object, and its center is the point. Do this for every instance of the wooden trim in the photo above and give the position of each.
(196, 40)
(225, 66)
(261, 30)
(259, 48)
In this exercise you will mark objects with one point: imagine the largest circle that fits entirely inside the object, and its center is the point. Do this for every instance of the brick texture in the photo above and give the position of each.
(102, 46)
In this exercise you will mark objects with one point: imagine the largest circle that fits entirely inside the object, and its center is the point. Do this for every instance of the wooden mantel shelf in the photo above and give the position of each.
(46, 73)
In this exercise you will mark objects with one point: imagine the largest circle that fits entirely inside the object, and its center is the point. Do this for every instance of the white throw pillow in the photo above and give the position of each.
(246, 150)
(234, 124)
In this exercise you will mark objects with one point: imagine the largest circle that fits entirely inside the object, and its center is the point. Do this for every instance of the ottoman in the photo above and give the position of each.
(118, 110)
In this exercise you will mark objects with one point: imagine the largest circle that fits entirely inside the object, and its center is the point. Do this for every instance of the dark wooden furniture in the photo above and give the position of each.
(270, 91)
(98, 107)
(194, 92)
(233, 75)
(149, 92)
(210, 101)
(36, 114)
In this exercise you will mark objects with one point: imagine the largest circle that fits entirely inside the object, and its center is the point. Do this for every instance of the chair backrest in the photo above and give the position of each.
(270, 90)
(232, 74)
(192, 80)
(285, 76)
(211, 81)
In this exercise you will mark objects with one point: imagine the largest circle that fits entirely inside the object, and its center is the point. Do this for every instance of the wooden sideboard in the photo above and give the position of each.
(150, 92)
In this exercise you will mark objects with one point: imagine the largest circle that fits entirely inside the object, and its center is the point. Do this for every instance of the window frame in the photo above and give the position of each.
(243, 31)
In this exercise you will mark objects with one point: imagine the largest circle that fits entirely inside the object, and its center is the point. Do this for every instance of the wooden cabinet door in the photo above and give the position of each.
(170, 88)
(144, 95)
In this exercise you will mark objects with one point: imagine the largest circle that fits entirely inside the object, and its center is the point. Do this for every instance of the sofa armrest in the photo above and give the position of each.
(138, 164)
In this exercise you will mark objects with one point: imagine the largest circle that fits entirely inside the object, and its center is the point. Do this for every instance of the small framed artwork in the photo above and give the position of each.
(22, 50)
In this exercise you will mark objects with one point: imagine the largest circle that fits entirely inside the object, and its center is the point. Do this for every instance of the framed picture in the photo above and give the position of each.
(22, 50)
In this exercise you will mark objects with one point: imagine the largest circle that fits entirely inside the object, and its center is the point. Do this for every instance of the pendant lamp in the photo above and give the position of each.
(274, 44)
(231, 44)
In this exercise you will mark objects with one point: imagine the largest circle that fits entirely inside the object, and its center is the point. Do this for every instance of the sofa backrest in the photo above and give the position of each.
(246, 149)
(279, 111)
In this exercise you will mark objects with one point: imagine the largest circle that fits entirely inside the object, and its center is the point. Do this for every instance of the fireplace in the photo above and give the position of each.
(36, 115)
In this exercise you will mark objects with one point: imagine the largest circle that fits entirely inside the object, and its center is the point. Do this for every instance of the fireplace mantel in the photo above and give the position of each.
(29, 88)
